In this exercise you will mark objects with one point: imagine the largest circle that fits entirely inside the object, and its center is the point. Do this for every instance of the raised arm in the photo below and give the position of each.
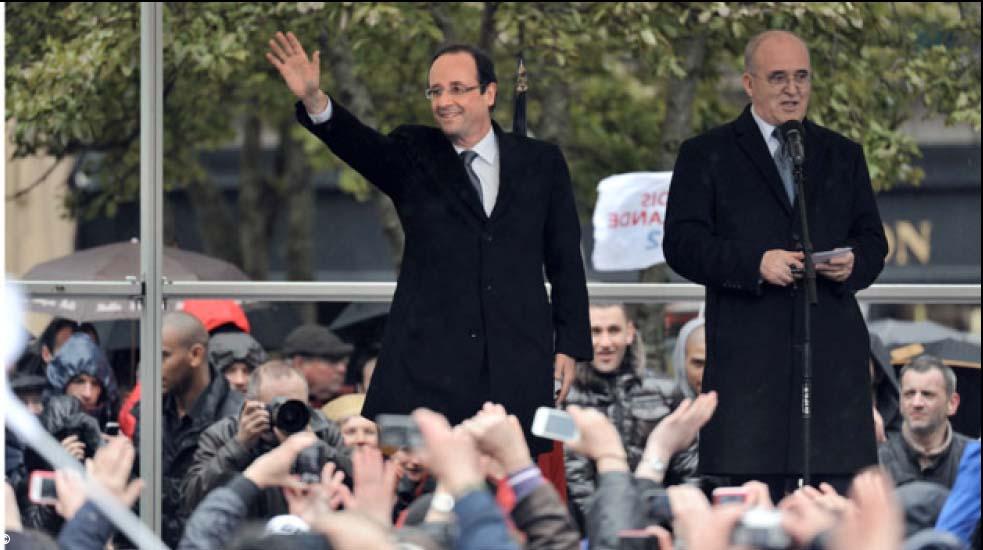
(301, 74)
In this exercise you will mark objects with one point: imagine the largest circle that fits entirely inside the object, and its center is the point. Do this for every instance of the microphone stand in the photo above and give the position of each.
(809, 298)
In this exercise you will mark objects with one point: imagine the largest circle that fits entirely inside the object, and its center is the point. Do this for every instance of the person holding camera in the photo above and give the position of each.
(276, 406)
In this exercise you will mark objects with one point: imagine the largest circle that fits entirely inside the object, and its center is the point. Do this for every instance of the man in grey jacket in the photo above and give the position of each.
(231, 445)
(926, 448)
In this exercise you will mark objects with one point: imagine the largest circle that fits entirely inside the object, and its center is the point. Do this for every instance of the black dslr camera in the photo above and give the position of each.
(289, 415)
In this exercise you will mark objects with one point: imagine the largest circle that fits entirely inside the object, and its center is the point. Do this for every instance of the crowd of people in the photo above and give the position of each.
(237, 426)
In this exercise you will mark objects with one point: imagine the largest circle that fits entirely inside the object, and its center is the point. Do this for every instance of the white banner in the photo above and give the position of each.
(628, 221)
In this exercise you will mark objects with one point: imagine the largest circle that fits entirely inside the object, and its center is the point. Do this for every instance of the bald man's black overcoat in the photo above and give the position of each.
(727, 206)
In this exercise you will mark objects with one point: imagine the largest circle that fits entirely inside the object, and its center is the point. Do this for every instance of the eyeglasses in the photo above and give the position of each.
(780, 79)
(455, 90)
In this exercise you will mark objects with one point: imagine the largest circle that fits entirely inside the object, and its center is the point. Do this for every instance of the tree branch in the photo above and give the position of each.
(486, 38)
(438, 12)
(35, 183)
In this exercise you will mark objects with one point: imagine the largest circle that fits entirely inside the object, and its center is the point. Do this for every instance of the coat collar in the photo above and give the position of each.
(509, 152)
(751, 141)
(451, 169)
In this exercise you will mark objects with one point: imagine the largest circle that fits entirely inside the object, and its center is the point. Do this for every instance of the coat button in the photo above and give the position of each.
(488, 288)
(488, 237)
(474, 335)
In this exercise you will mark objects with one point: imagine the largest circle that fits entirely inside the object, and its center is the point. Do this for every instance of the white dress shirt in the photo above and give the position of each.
(487, 166)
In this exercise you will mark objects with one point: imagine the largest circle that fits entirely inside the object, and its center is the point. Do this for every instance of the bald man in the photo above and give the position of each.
(196, 396)
(732, 226)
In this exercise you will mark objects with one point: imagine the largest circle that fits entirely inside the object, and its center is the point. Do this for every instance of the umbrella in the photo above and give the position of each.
(894, 332)
(519, 108)
(116, 262)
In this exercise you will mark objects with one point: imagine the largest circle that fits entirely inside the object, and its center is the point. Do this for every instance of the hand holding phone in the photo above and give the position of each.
(554, 424)
(41, 488)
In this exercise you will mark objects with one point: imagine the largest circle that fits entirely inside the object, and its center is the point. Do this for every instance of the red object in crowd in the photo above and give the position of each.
(215, 313)
(128, 422)
(551, 464)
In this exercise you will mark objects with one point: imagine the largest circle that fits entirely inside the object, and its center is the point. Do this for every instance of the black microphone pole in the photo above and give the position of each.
(793, 134)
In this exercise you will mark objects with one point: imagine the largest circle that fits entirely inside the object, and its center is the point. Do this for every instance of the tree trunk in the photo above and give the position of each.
(296, 191)
(680, 93)
(254, 211)
(487, 33)
(214, 218)
(353, 92)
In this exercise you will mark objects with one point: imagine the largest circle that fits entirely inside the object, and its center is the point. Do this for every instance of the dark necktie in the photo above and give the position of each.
(784, 164)
(468, 157)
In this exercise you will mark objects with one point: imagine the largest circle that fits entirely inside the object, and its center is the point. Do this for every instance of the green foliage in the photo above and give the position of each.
(73, 75)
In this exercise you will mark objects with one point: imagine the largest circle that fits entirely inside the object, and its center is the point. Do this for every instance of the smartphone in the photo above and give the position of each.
(398, 431)
(636, 539)
(112, 429)
(554, 424)
(730, 495)
(41, 488)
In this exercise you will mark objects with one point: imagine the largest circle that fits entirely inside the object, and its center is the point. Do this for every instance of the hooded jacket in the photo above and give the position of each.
(635, 401)
(80, 355)
(62, 417)
(679, 356)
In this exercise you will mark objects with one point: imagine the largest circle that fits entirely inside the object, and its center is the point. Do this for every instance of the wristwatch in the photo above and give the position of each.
(442, 502)
(656, 465)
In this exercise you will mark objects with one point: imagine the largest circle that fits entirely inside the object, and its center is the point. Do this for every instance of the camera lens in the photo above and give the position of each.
(291, 416)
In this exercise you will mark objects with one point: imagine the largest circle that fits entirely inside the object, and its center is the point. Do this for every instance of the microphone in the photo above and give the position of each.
(792, 133)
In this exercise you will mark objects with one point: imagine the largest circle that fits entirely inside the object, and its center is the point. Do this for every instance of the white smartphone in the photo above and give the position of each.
(554, 424)
(41, 489)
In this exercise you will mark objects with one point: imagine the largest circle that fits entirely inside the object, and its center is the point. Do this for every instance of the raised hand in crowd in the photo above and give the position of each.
(499, 435)
(804, 518)
(699, 525)
(74, 447)
(878, 523)
(331, 493)
(273, 468)
(374, 485)
(254, 421)
(301, 74)
(599, 440)
(675, 433)
(110, 467)
(450, 454)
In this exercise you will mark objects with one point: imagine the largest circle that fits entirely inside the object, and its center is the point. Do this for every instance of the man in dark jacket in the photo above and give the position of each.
(231, 445)
(926, 448)
(617, 384)
(81, 369)
(732, 226)
(484, 212)
(196, 396)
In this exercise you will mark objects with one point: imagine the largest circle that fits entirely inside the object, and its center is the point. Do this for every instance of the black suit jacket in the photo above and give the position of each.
(471, 320)
(726, 208)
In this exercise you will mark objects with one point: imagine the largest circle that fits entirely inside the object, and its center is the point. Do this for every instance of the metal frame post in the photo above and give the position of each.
(151, 237)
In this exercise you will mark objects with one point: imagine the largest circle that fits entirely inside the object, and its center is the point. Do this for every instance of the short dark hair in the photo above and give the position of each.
(486, 67)
(925, 363)
(47, 338)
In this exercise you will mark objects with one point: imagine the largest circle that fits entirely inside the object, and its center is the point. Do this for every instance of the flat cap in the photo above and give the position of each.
(315, 341)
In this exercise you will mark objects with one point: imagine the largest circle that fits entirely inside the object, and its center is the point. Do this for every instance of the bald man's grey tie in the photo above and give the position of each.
(784, 164)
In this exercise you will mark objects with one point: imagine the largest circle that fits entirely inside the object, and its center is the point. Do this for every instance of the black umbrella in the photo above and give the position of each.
(117, 262)
(519, 107)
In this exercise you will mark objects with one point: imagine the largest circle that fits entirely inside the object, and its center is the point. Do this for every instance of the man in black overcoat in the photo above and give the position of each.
(732, 227)
(484, 212)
